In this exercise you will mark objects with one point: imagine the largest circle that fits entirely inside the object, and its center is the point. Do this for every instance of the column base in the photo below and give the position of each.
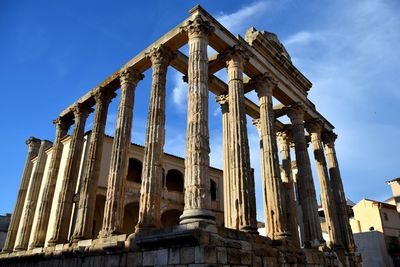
(197, 215)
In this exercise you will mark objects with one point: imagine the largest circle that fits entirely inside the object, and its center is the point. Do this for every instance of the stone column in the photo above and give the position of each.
(273, 190)
(32, 195)
(240, 170)
(305, 183)
(287, 180)
(338, 191)
(223, 101)
(33, 148)
(44, 206)
(197, 160)
(114, 206)
(314, 127)
(91, 167)
(152, 171)
(71, 172)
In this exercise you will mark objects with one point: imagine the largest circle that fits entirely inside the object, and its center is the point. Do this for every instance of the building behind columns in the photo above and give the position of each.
(95, 200)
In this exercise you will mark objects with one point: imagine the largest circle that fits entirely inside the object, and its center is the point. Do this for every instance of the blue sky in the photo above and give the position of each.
(53, 53)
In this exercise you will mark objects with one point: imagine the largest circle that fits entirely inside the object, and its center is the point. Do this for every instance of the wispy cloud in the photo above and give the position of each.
(179, 93)
(352, 65)
(238, 21)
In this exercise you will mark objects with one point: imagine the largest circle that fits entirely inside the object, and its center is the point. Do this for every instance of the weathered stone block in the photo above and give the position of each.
(148, 258)
(222, 256)
(161, 257)
(174, 256)
(187, 255)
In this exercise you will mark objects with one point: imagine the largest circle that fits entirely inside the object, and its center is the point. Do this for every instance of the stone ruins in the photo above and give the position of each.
(94, 200)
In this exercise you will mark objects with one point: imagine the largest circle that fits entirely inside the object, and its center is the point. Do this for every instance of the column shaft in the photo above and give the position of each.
(32, 195)
(287, 180)
(273, 190)
(197, 159)
(114, 206)
(305, 183)
(151, 187)
(327, 201)
(223, 101)
(338, 191)
(33, 148)
(44, 206)
(64, 206)
(91, 168)
(240, 169)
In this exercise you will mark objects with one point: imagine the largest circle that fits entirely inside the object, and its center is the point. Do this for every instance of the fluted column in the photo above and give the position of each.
(24, 230)
(287, 180)
(338, 191)
(305, 183)
(273, 190)
(114, 206)
(91, 168)
(197, 159)
(240, 170)
(150, 193)
(314, 127)
(44, 206)
(223, 101)
(70, 178)
(33, 149)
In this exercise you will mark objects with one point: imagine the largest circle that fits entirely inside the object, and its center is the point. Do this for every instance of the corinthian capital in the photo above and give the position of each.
(160, 55)
(263, 84)
(198, 27)
(81, 110)
(33, 144)
(130, 76)
(222, 100)
(295, 113)
(235, 56)
(62, 124)
(257, 122)
(329, 138)
(314, 126)
(103, 95)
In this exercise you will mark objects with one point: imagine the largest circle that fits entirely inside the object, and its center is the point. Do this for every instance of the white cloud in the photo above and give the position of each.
(179, 93)
(352, 62)
(238, 21)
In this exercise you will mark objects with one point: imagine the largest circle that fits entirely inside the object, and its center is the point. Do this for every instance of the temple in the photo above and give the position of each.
(88, 199)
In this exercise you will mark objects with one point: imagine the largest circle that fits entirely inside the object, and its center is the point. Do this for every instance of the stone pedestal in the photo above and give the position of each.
(114, 206)
(91, 167)
(33, 149)
(44, 206)
(197, 159)
(28, 212)
(305, 183)
(64, 206)
(152, 172)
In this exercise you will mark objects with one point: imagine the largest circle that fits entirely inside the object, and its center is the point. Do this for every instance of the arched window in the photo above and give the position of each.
(174, 180)
(170, 218)
(134, 171)
(213, 189)
(131, 216)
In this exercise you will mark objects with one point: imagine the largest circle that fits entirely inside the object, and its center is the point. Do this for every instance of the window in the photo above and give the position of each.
(385, 216)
